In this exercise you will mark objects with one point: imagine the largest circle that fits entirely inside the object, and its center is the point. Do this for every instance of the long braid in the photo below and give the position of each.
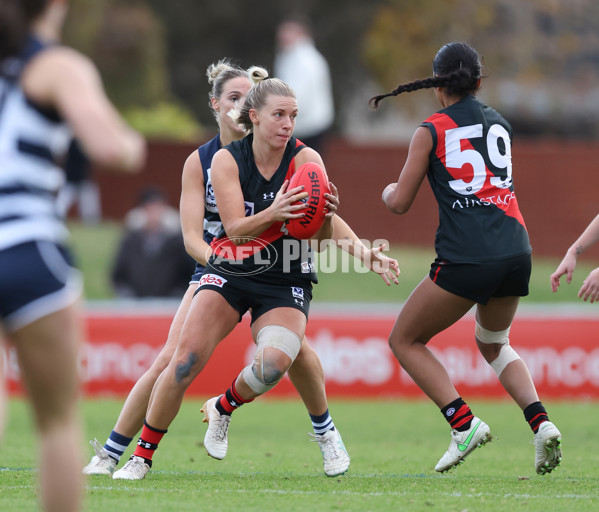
(457, 79)
(456, 68)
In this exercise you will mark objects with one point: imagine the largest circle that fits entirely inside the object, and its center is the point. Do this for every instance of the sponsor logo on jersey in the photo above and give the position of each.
(268, 196)
(242, 255)
(502, 201)
(213, 280)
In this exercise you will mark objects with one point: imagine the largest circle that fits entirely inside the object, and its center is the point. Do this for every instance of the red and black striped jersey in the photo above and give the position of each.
(470, 173)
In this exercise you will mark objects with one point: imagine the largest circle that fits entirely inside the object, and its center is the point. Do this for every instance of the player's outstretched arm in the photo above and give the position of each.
(373, 258)
(589, 237)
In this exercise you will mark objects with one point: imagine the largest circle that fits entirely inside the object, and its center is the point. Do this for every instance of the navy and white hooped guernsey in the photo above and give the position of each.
(31, 140)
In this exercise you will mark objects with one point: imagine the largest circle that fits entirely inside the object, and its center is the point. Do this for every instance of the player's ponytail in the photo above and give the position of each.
(456, 67)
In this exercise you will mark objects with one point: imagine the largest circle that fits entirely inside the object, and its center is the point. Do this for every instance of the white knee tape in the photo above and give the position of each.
(274, 336)
(256, 385)
(492, 337)
(280, 338)
(506, 355)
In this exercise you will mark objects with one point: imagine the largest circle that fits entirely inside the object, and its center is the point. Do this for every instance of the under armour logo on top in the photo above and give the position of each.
(269, 195)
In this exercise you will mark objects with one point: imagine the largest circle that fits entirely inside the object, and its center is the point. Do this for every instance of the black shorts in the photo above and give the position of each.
(479, 281)
(37, 280)
(244, 293)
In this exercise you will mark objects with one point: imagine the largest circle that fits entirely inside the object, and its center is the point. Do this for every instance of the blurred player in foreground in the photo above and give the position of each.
(483, 253)
(47, 90)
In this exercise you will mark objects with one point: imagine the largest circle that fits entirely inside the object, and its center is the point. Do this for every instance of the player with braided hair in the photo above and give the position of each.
(483, 253)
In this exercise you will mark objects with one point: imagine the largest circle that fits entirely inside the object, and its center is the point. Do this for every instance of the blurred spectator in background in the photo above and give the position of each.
(302, 66)
(79, 187)
(151, 260)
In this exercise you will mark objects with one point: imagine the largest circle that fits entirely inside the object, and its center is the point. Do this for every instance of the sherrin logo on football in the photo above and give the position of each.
(316, 183)
(213, 280)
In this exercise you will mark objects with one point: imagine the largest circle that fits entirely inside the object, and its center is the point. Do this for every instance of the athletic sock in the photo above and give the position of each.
(322, 423)
(116, 444)
(458, 415)
(535, 414)
(230, 401)
(148, 442)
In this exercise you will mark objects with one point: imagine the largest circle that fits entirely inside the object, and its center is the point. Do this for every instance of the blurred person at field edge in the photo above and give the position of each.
(249, 179)
(47, 90)
(201, 222)
(151, 260)
(590, 287)
(483, 253)
(299, 64)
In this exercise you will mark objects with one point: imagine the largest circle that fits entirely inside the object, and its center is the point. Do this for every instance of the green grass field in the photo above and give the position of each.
(271, 465)
(94, 248)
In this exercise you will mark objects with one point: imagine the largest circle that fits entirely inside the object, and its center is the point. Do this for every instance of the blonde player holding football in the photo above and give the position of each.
(201, 223)
(250, 179)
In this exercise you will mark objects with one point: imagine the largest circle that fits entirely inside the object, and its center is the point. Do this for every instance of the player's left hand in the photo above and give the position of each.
(590, 287)
(387, 268)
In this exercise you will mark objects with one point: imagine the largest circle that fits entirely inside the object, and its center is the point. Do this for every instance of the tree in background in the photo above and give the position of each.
(542, 56)
(127, 41)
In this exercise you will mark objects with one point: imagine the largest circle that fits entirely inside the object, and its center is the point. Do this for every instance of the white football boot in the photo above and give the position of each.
(548, 449)
(101, 463)
(216, 439)
(334, 455)
(135, 469)
(463, 443)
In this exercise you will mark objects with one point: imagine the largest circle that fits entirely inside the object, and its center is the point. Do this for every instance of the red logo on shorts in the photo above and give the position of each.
(213, 280)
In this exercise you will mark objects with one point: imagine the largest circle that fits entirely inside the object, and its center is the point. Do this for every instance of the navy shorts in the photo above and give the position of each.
(197, 274)
(245, 293)
(479, 281)
(37, 280)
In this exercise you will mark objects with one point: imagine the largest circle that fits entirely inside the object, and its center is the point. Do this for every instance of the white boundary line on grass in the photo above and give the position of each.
(328, 492)
(352, 493)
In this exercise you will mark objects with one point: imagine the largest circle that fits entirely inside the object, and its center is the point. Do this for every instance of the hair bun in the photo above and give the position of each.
(257, 74)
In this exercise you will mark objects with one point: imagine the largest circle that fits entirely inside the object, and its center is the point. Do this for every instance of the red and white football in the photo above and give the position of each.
(316, 183)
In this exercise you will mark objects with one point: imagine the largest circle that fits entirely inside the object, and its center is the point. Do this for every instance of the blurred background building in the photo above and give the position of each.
(541, 57)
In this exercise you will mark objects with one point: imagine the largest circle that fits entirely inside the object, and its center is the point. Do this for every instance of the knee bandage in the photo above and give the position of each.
(261, 376)
(506, 354)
